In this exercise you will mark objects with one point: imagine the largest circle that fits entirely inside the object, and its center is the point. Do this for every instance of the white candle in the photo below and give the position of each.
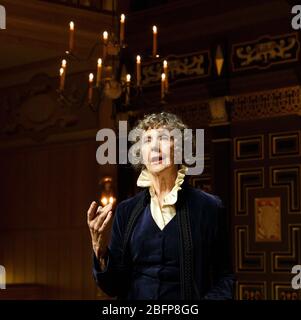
(71, 36)
(155, 31)
(138, 71)
(127, 94)
(90, 93)
(62, 79)
(63, 74)
(105, 37)
(163, 76)
(165, 70)
(64, 63)
(99, 71)
(122, 25)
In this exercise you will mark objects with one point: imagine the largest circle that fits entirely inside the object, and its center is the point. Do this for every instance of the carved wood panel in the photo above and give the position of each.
(266, 207)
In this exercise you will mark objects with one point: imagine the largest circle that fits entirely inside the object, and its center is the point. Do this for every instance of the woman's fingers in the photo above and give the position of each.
(91, 211)
(106, 221)
(101, 218)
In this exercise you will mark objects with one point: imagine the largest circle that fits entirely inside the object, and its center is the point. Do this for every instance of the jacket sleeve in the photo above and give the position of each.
(223, 279)
(113, 280)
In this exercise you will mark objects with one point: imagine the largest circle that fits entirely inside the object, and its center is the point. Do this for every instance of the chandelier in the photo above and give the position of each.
(110, 79)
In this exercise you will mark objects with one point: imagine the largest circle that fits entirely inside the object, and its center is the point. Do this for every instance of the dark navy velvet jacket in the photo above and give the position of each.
(206, 268)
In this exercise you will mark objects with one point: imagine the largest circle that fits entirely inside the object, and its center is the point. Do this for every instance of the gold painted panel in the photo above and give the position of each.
(268, 219)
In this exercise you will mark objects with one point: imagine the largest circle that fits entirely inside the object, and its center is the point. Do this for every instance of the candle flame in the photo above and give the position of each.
(91, 77)
(61, 71)
(111, 199)
(64, 63)
(163, 76)
(122, 18)
(165, 63)
(128, 78)
(99, 62)
(104, 201)
(155, 29)
(138, 59)
(71, 25)
(105, 35)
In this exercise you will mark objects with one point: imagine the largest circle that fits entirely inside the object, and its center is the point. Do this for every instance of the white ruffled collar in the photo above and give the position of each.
(144, 181)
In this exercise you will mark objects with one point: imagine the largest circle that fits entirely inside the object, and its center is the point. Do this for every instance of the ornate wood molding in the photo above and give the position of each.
(264, 104)
(265, 52)
(180, 68)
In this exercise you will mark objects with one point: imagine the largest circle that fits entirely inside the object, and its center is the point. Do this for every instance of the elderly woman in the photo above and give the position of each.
(170, 240)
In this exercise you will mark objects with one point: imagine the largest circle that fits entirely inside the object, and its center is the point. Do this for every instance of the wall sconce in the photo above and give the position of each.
(106, 191)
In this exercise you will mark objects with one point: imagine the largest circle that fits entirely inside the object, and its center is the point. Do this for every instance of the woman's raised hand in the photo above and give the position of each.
(100, 221)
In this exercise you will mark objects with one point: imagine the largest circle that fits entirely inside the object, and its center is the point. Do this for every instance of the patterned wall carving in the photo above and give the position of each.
(244, 181)
(249, 148)
(196, 114)
(285, 144)
(270, 103)
(265, 52)
(252, 291)
(203, 181)
(289, 178)
(283, 261)
(284, 291)
(267, 248)
(247, 260)
(180, 68)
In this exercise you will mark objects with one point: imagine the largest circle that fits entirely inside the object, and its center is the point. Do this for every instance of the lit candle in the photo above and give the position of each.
(155, 31)
(111, 200)
(64, 63)
(138, 71)
(105, 37)
(99, 70)
(104, 201)
(63, 74)
(62, 79)
(90, 93)
(127, 94)
(122, 24)
(165, 70)
(71, 36)
(163, 76)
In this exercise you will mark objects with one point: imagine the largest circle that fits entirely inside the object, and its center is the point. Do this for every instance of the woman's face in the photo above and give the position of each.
(157, 150)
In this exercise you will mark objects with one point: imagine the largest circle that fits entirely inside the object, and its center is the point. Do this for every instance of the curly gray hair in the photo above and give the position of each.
(164, 120)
